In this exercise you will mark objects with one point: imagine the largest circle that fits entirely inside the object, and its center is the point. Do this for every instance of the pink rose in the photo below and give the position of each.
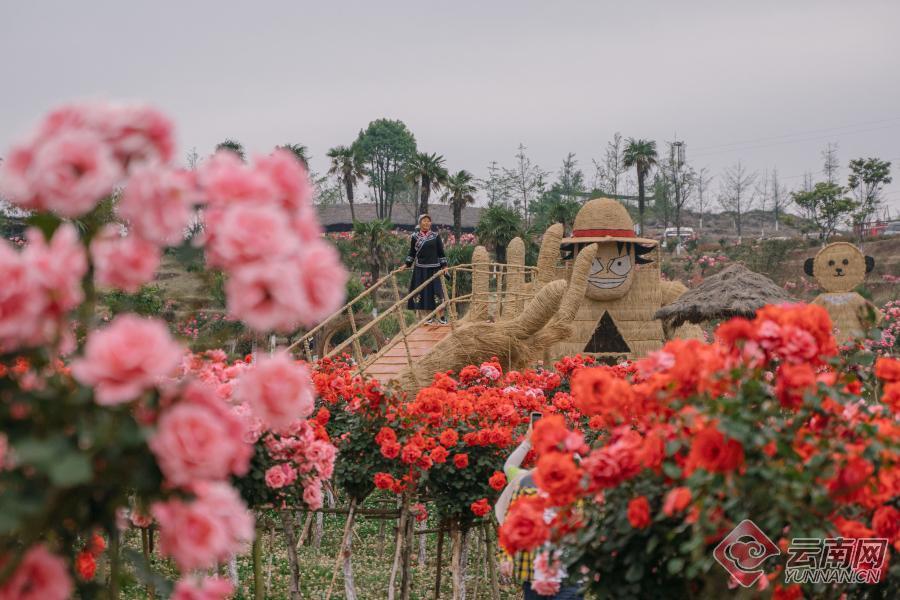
(207, 530)
(199, 439)
(70, 173)
(124, 263)
(289, 179)
(125, 358)
(138, 134)
(225, 179)
(247, 233)
(22, 301)
(312, 495)
(40, 576)
(321, 454)
(322, 281)
(278, 390)
(157, 203)
(208, 588)
(139, 519)
(58, 266)
(264, 295)
(276, 477)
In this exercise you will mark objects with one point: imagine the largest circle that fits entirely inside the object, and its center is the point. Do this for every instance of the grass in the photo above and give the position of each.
(373, 549)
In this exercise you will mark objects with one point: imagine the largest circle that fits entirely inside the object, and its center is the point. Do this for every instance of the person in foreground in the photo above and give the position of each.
(426, 257)
(521, 483)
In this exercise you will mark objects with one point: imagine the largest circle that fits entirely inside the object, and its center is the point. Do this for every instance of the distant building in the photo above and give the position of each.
(336, 217)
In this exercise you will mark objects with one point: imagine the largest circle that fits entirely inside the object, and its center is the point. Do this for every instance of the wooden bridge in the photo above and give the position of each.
(384, 342)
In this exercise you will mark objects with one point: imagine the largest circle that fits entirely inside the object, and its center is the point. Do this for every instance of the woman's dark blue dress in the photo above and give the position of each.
(426, 256)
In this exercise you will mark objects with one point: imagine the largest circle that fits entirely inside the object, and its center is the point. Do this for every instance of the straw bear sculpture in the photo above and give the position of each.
(839, 268)
(600, 301)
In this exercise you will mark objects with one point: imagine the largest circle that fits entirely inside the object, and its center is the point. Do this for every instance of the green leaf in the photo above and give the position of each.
(71, 469)
(675, 565)
(672, 470)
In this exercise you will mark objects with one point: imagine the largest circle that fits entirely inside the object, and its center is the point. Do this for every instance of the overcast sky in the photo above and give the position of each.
(767, 83)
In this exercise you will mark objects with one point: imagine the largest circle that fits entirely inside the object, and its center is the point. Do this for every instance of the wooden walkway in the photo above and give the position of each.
(421, 340)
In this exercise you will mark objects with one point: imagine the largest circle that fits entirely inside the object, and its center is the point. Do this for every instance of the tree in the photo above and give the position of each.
(609, 172)
(232, 146)
(553, 207)
(497, 227)
(384, 148)
(702, 185)
(347, 166)
(640, 154)
(526, 181)
(830, 163)
(496, 185)
(376, 235)
(826, 205)
(299, 151)
(736, 194)
(780, 198)
(428, 172)
(460, 190)
(570, 181)
(867, 179)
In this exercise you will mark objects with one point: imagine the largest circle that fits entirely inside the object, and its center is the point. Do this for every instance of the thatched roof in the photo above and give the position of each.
(735, 292)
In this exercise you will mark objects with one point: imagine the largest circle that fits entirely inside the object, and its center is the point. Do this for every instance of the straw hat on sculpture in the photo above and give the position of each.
(594, 293)
(839, 268)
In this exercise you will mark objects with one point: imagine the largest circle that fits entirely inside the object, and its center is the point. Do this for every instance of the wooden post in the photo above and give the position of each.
(491, 560)
(398, 545)
(259, 592)
(406, 580)
(145, 546)
(346, 543)
(439, 560)
(114, 564)
(356, 347)
(287, 523)
(401, 316)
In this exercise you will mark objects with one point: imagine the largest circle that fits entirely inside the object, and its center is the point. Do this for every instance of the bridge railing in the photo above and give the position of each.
(493, 290)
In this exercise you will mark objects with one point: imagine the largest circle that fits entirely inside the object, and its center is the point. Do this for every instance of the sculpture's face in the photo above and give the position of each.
(839, 267)
(612, 272)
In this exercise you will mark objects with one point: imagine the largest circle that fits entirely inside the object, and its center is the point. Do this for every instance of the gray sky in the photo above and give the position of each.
(765, 82)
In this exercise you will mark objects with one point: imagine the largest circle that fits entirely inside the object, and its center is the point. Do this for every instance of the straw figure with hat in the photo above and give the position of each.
(839, 268)
(599, 300)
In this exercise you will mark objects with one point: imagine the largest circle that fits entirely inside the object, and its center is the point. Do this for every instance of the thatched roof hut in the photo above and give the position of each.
(735, 292)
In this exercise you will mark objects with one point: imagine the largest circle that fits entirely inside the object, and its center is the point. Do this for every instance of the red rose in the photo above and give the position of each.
(390, 450)
(461, 461)
(524, 527)
(793, 381)
(449, 438)
(886, 522)
(97, 544)
(711, 451)
(85, 565)
(323, 416)
(497, 481)
(851, 476)
(549, 433)
(599, 391)
(411, 453)
(791, 592)
(676, 501)
(887, 369)
(385, 435)
(480, 507)
(891, 396)
(558, 475)
(639, 512)
(439, 455)
(383, 481)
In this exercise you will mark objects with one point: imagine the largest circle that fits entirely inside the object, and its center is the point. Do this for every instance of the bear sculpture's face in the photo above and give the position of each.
(612, 271)
(839, 267)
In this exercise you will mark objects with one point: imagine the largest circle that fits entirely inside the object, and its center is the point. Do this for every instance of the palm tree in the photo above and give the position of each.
(299, 151)
(640, 154)
(348, 167)
(460, 191)
(232, 146)
(376, 235)
(497, 227)
(426, 170)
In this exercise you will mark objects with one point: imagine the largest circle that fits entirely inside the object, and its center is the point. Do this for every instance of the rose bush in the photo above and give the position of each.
(95, 419)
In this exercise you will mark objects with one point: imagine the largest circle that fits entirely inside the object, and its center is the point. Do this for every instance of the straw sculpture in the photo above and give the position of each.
(735, 292)
(516, 343)
(600, 300)
(839, 268)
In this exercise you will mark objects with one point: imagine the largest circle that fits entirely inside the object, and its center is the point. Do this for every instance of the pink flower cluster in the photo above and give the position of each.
(41, 284)
(262, 231)
(207, 530)
(548, 573)
(278, 390)
(305, 457)
(40, 576)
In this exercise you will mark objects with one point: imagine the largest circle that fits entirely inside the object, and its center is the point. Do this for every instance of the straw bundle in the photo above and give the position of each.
(478, 308)
(515, 279)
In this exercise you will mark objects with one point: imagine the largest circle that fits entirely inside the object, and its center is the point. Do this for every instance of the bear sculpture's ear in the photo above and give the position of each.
(870, 264)
(808, 266)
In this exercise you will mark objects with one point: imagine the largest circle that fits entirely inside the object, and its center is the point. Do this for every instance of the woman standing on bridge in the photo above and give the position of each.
(426, 256)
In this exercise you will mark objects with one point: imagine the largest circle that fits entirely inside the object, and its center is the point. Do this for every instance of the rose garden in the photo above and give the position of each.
(208, 457)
